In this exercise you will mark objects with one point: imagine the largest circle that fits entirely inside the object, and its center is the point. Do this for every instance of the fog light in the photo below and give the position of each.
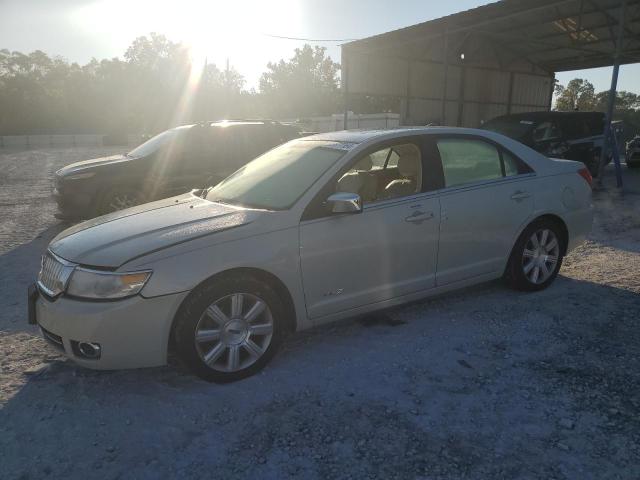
(86, 350)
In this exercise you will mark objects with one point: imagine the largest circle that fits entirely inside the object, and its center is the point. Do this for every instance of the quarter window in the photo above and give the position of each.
(465, 161)
(510, 164)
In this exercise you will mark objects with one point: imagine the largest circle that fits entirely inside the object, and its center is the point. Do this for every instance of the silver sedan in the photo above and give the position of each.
(319, 229)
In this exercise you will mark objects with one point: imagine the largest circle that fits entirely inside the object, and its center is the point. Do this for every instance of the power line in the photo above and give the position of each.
(282, 37)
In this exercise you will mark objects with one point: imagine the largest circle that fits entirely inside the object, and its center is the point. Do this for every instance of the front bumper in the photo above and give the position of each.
(72, 204)
(132, 333)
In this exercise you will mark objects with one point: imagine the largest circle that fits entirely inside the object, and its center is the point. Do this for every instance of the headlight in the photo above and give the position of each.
(79, 176)
(105, 285)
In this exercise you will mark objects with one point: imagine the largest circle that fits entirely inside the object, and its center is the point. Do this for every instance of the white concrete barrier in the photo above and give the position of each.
(41, 141)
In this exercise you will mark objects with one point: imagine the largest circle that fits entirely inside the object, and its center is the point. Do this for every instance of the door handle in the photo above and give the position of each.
(520, 195)
(419, 217)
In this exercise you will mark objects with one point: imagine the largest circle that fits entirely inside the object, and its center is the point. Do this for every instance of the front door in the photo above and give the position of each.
(487, 198)
(388, 250)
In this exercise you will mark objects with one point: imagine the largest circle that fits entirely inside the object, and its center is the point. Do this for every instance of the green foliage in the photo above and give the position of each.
(153, 88)
(305, 85)
(580, 93)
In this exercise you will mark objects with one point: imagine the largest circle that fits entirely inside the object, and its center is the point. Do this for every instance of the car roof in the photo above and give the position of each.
(361, 136)
(543, 115)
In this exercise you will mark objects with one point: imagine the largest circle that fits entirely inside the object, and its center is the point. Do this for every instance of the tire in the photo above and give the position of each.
(526, 258)
(119, 198)
(229, 315)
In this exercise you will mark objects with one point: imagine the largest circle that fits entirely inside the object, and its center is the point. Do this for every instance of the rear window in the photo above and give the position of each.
(510, 127)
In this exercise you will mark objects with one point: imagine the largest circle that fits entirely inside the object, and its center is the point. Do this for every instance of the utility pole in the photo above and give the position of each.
(611, 103)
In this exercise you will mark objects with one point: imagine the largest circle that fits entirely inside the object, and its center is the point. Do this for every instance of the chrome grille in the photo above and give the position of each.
(54, 273)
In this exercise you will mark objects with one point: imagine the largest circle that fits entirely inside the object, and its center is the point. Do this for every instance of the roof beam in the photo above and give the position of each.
(521, 39)
(461, 29)
(613, 19)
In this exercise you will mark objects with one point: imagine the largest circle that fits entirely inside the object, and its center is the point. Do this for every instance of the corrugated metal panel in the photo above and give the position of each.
(426, 80)
(423, 112)
(474, 114)
(488, 86)
(531, 90)
(377, 75)
(485, 92)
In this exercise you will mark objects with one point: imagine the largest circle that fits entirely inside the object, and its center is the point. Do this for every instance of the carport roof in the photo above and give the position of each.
(554, 35)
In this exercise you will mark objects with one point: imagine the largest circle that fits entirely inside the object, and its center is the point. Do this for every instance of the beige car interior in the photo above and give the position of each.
(382, 182)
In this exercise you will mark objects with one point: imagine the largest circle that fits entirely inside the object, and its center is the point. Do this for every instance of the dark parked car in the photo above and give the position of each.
(633, 152)
(571, 135)
(173, 162)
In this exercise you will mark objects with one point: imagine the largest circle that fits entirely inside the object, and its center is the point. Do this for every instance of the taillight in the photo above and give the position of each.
(586, 174)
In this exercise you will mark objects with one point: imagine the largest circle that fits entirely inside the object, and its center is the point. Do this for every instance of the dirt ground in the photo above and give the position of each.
(483, 383)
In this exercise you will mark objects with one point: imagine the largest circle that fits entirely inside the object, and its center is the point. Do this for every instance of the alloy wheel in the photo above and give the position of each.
(540, 256)
(234, 332)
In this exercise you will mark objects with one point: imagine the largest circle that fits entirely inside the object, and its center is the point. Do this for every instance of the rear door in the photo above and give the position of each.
(488, 195)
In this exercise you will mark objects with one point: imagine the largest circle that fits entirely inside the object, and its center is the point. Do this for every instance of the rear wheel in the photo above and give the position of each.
(229, 328)
(536, 257)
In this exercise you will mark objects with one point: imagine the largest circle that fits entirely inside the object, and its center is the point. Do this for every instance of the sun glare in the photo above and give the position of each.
(213, 30)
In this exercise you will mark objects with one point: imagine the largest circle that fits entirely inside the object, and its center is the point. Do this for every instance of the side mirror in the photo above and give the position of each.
(345, 202)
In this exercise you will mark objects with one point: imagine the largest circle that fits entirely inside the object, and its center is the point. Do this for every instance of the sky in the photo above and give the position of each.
(241, 31)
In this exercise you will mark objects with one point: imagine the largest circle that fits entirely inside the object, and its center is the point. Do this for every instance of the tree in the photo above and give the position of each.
(579, 94)
(306, 85)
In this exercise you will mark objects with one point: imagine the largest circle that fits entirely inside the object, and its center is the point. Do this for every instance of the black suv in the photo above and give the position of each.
(571, 135)
(171, 163)
(632, 153)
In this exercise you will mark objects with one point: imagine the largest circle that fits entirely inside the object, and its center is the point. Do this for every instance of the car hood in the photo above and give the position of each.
(112, 240)
(94, 162)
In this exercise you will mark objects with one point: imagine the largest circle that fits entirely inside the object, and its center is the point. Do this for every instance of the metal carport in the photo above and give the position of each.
(496, 59)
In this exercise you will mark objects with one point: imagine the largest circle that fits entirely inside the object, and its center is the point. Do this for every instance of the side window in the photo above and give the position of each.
(546, 131)
(467, 160)
(374, 178)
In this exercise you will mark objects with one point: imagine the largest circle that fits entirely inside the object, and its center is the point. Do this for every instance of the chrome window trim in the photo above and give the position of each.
(486, 183)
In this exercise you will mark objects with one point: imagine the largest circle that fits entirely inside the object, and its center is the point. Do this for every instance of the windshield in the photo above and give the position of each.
(510, 127)
(153, 144)
(277, 179)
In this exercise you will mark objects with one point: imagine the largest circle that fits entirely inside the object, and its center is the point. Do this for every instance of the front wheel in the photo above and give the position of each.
(536, 257)
(229, 328)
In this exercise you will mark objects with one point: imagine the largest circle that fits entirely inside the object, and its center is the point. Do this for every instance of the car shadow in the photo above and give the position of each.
(19, 268)
(444, 352)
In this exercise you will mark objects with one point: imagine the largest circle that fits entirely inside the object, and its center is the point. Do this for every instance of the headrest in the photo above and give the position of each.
(409, 161)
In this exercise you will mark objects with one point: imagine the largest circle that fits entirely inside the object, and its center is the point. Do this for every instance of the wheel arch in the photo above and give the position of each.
(281, 289)
(564, 231)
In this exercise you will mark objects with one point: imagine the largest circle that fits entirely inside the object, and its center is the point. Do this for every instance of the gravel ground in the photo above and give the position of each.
(482, 383)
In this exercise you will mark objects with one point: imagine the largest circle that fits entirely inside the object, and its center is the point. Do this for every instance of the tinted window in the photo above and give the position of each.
(510, 127)
(163, 140)
(546, 131)
(467, 160)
